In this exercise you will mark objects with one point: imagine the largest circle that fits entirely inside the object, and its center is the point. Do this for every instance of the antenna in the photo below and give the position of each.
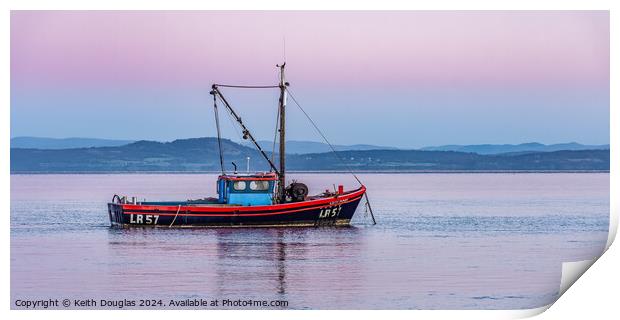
(284, 49)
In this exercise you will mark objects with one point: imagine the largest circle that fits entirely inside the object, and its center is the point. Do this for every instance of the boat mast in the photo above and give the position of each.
(281, 176)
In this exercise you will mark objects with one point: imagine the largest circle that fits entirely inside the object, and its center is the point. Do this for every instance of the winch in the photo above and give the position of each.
(297, 191)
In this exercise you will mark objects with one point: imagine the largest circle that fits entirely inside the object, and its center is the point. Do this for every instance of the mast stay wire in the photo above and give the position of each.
(219, 136)
(245, 87)
(333, 150)
(275, 136)
(234, 126)
(235, 129)
(315, 127)
(217, 125)
(323, 136)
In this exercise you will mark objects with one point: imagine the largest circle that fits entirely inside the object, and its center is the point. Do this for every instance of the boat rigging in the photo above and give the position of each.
(261, 199)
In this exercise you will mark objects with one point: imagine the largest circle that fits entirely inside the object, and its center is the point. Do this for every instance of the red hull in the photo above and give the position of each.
(334, 210)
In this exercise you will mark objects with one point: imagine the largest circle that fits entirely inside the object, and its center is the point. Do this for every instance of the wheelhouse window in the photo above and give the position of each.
(259, 185)
(239, 185)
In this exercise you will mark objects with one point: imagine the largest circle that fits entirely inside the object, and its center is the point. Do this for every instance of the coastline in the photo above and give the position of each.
(313, 172)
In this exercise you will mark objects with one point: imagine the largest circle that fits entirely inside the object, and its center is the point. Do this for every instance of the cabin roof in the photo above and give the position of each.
(260, 176)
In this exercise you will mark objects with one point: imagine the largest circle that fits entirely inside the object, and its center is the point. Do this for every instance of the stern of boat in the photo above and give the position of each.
(115, 212)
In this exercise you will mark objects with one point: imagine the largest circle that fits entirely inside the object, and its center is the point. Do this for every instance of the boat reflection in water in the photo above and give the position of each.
(290, 264)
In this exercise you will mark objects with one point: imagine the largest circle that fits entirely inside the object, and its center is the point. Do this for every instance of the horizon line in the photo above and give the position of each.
(335, 144)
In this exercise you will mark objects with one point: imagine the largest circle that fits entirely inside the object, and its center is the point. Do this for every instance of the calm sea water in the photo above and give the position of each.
(443, 241)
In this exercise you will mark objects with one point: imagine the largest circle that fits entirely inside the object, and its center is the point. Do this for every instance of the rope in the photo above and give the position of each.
(334, 151)
(234, 126)
(219, 136)
(275, 136)
(324, 138)
(246, 131)
(258, 147)
(245, 87)
(372, 215)
(175, 217)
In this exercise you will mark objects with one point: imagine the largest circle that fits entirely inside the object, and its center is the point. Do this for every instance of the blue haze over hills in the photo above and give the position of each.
(306, 147)
(201, 155)
(64, 143)
(516, 148)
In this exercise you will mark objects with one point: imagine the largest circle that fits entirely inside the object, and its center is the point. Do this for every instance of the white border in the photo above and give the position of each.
(595, 288)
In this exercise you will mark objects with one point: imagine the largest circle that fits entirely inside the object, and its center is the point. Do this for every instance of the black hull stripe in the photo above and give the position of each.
(308, 223)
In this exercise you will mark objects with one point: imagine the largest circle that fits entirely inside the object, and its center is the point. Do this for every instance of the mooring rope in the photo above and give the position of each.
(333, 151)
(370, 208)
(175, 217)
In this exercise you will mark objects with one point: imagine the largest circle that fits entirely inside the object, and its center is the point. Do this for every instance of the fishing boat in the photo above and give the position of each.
(247, 200)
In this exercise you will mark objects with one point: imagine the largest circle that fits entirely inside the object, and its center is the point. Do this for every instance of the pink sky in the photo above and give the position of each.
(542, 56)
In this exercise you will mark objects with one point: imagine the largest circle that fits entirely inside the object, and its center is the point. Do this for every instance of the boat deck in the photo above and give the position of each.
(214, 202)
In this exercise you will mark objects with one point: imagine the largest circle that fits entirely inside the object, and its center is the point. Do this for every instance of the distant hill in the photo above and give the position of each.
(305, 147)
(417, 160)
(516, 148)
(308, 147)
(293, 146)
(64, 143)
(200, 154)
(197, 154)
